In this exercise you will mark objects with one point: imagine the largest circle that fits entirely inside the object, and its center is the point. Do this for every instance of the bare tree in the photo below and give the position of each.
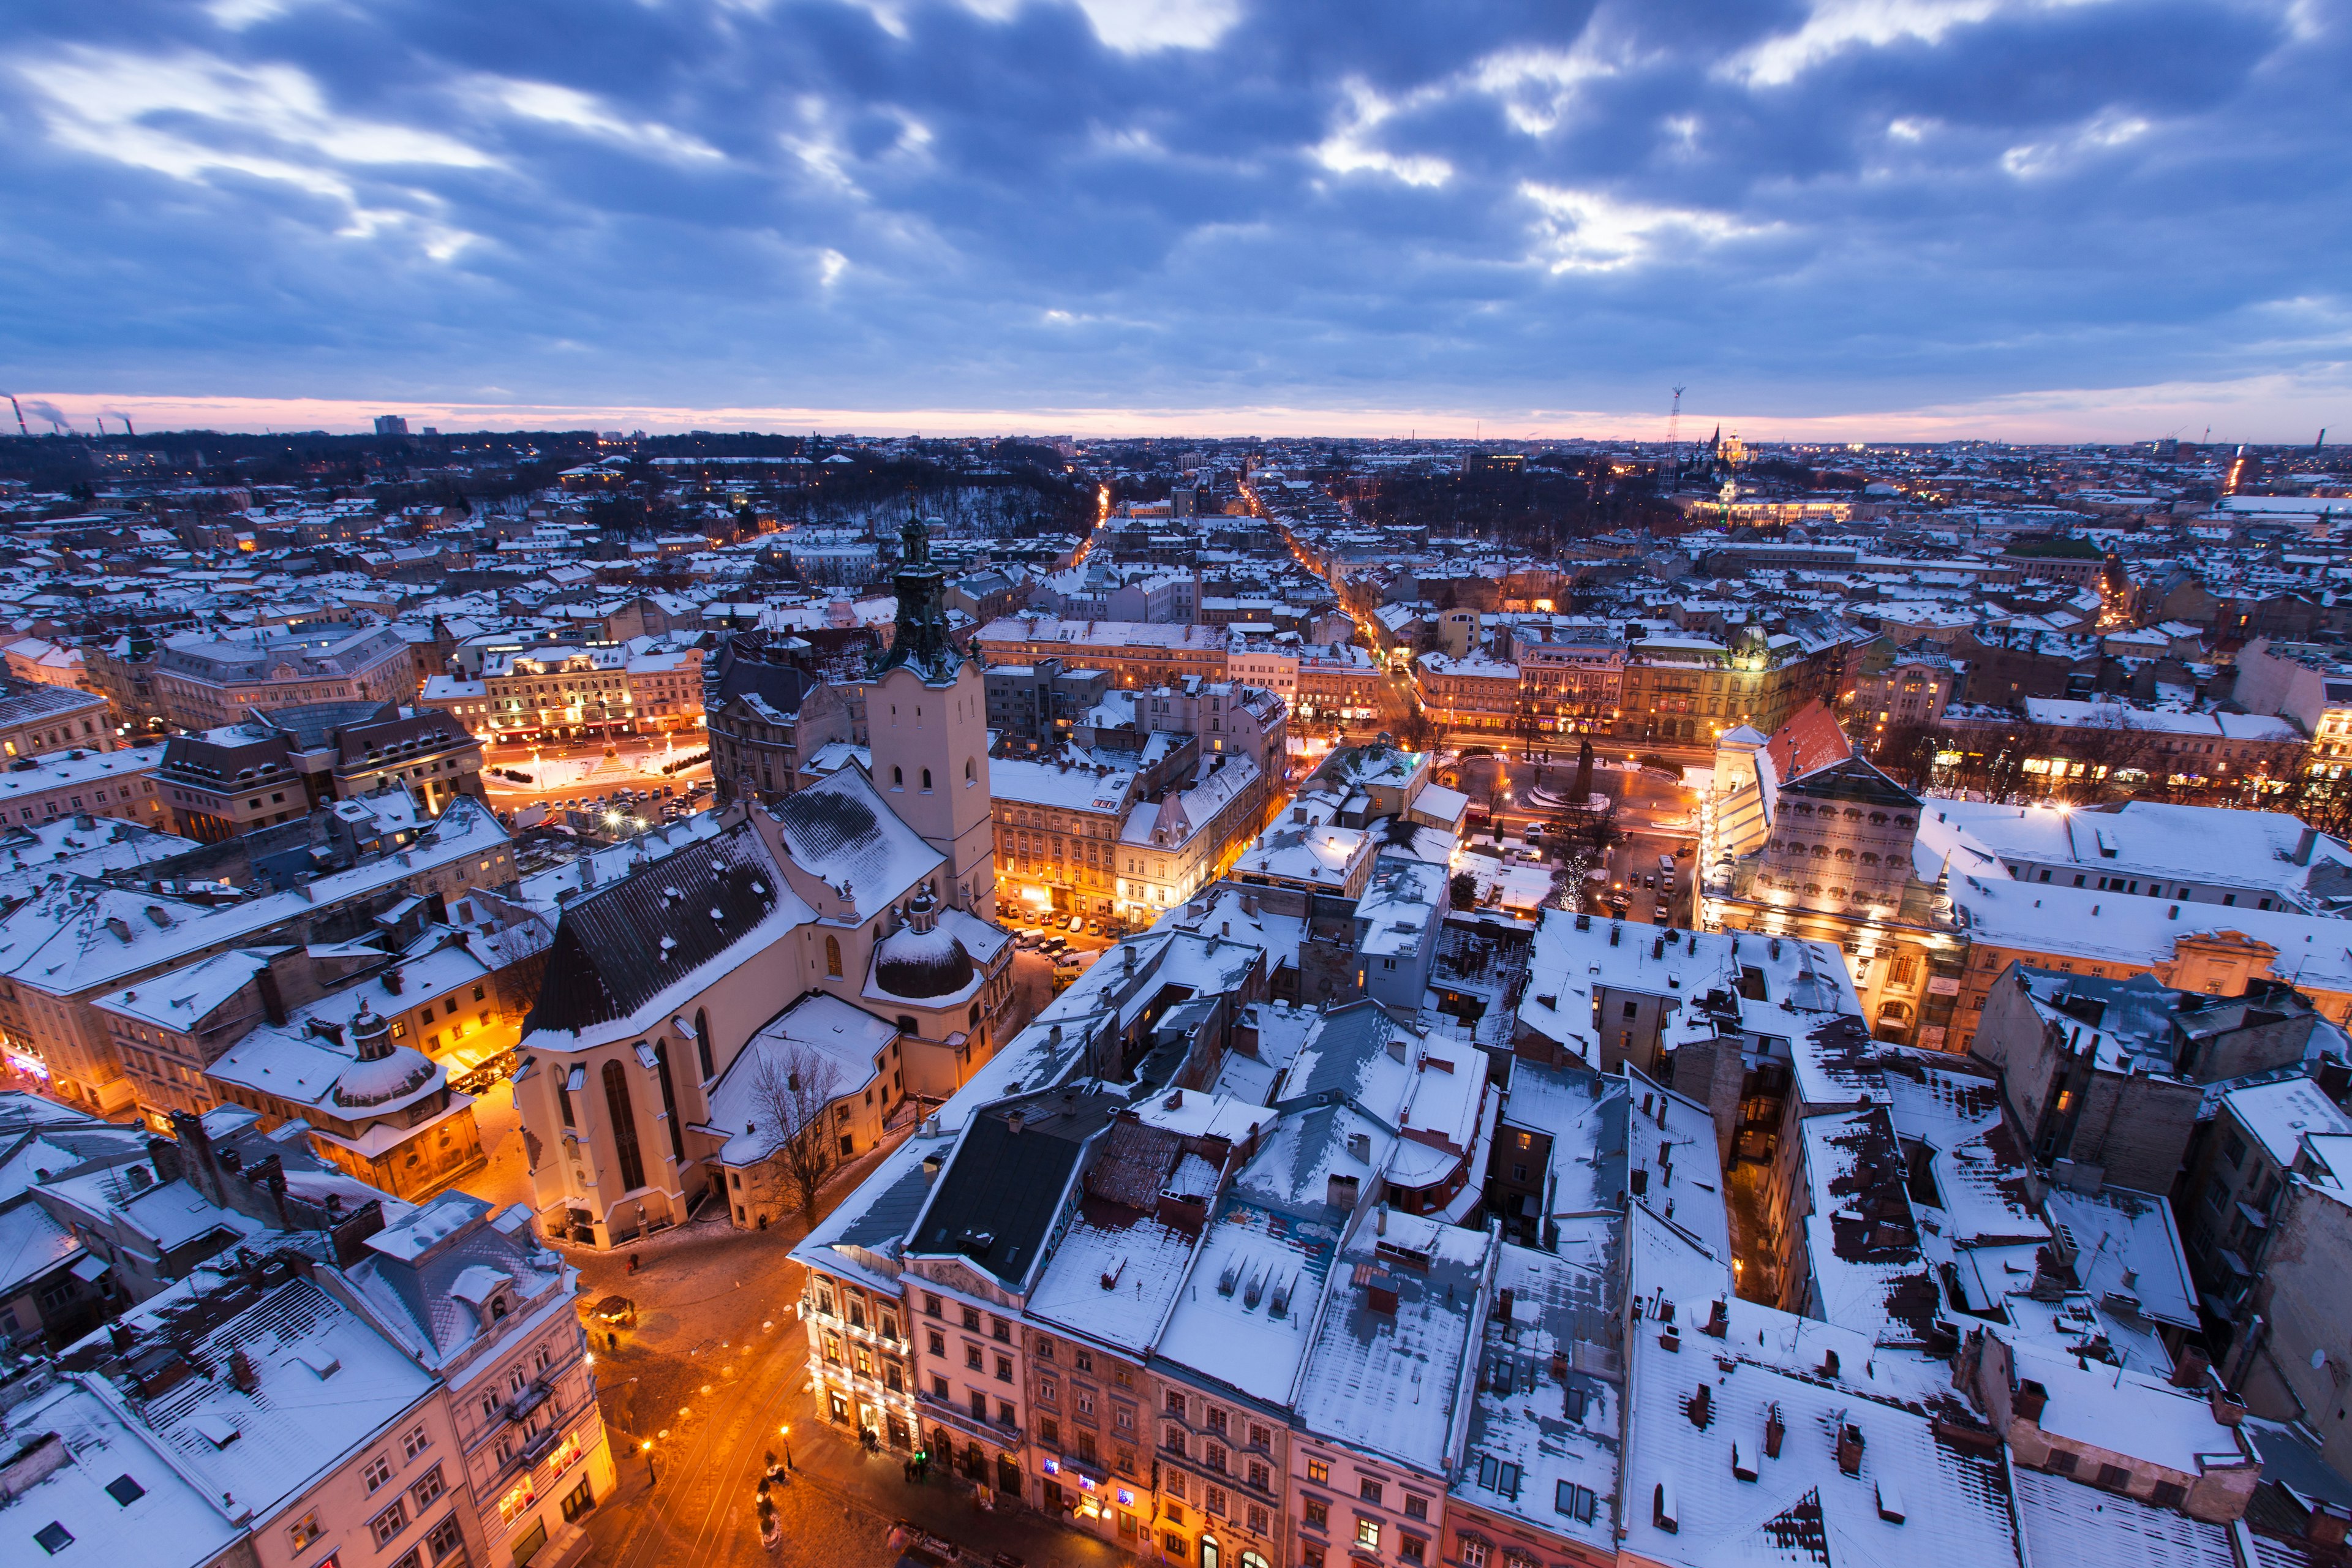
(792, 1091)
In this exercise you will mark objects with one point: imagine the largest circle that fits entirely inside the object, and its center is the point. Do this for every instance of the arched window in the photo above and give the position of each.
(926, 781)
(625, 1127)
(498, 1306)
(971, 772)
(669, 1102)
(898, 778)
(974, 1020)
(832, 956)
(702, 1043)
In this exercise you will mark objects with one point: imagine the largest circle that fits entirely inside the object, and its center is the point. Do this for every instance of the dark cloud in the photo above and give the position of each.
(932, 205)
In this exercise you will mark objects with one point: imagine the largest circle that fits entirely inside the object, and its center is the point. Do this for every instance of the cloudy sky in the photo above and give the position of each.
(1835, 218)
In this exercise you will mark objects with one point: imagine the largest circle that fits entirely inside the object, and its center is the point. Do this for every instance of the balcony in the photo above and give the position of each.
(961, 1418)
(520, 1405)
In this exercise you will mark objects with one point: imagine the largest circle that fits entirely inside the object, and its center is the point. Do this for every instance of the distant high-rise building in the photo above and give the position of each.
(391, 425)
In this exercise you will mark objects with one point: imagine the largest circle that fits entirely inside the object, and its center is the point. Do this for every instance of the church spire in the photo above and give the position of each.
(921, 639)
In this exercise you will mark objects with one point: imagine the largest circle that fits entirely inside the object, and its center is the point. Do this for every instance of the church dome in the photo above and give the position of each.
(384, 1072)
(919, 960)
(385, 1079)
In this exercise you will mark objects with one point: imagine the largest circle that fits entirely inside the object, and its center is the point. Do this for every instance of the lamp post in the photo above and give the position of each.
(785, 1432)
(647, 1448)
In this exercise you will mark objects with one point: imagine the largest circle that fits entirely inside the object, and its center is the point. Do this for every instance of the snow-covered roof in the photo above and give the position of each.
(118, 1494)
(1397, 1343)
(326, 1381)
(851, 1040)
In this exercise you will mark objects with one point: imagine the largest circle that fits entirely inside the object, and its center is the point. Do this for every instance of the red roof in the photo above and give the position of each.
(1807, 743)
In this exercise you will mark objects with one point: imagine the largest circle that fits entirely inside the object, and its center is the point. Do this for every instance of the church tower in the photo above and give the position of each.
(926, 724)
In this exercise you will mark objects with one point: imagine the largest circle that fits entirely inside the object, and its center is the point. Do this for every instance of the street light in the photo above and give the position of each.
(785, 1431)
(647, 1448)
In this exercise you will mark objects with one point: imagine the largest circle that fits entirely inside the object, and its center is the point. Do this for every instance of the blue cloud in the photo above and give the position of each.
(1816, 205)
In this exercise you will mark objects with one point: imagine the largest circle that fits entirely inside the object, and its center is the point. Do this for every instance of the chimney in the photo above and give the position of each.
(2029, 1400)
(1848, 1449)
(1775, 1430)
(1719, 1320)
(164, 1155)
(1359, 1147)
(1503, 1304)
(2190, 1371)
(1829, 1364)
(197, 1161)
(1339, 1192)
(273, 1000)
(1701, 1406)
(2228, 1408)
(2326, 1523)
(31, 1465)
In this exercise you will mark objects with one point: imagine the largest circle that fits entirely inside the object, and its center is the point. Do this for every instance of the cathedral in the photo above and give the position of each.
(788, 983)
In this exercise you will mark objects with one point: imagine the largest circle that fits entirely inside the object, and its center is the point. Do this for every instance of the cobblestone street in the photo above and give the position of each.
(713, 1368)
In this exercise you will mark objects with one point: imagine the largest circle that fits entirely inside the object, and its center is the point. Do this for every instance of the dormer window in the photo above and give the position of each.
(497, 1307)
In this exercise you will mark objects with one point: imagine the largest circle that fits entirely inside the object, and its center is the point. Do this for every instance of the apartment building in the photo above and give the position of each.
(1468, 691)
(282, 763)
(206, 680)
(1171, 848)
(1038, 704)
(69, 946)
(1136, 653)
(121, 786)
(767, 713)
(36, 718)
(1572, 678)
(1058, 828)
(561, 692)
(1339, 680)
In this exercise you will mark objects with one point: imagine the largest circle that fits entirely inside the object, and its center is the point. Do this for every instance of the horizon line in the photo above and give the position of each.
(2255, 411)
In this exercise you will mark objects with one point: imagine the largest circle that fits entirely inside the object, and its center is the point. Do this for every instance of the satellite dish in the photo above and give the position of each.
(2319, 1361)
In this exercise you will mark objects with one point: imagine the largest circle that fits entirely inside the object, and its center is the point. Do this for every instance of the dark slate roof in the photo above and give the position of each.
(607, 960)
(999, 1195)
(886, 1218)
(918, 965)
(25, 703)
(313, 724)
(196, 756)
(423, 732)
(779, 686)
(1852, 780)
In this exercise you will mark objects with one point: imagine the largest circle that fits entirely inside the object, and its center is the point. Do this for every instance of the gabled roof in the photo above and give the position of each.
(620, 946)
(842, 833)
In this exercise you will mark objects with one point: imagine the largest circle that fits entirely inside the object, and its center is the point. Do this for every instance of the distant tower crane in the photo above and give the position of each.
(1674, 432)
(21, 429)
